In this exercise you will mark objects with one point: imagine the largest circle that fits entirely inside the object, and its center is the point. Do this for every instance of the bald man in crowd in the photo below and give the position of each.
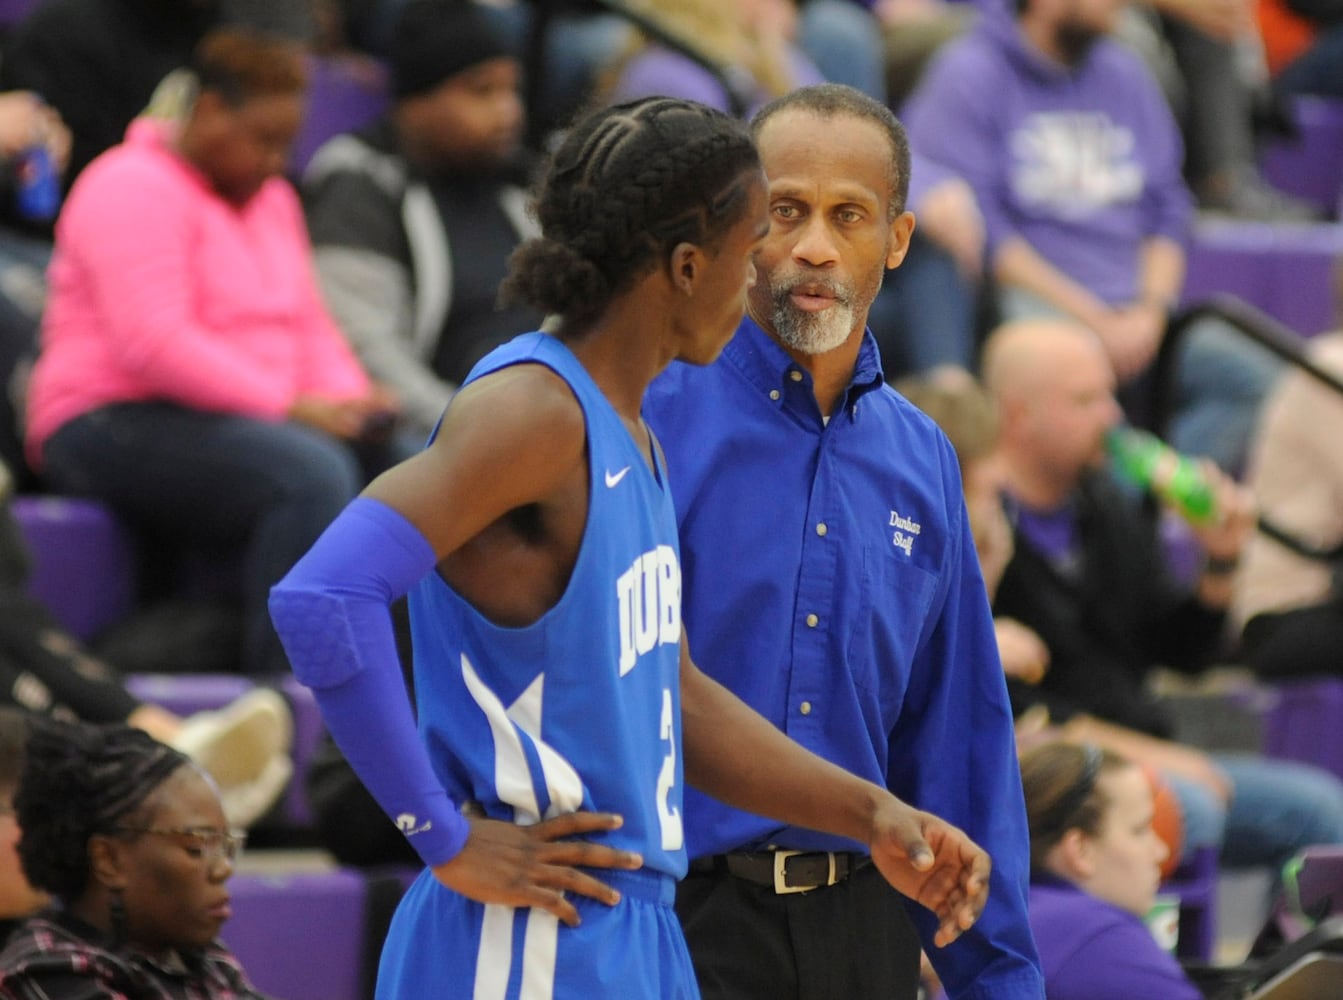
(1089, 576)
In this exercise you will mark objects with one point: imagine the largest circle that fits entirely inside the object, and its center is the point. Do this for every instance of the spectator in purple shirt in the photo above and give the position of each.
(1095, 868)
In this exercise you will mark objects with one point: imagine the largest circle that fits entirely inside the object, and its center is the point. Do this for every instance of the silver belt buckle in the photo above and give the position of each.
(781, 887)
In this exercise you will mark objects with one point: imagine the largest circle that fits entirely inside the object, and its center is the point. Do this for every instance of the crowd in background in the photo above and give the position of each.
(224, 350)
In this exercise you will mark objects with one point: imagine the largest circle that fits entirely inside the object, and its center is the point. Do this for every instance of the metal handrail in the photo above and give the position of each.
(1272, 335)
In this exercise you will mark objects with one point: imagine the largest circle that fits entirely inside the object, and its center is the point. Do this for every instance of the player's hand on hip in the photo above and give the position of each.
(933, 863)
(536, 865)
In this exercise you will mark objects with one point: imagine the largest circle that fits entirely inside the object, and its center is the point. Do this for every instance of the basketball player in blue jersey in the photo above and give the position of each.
(559, 716)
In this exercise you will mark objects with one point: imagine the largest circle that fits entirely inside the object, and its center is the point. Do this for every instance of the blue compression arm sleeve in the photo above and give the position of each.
(332, 614)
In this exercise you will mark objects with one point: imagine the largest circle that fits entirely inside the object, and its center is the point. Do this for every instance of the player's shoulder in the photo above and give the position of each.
(523, 408)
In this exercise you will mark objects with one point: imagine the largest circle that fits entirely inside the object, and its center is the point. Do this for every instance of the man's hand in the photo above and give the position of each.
(1131, 336)
(933, 863)
(535, 865)
(1023, 653)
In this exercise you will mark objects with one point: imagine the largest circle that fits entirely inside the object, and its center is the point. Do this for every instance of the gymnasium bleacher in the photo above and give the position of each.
(306, 928)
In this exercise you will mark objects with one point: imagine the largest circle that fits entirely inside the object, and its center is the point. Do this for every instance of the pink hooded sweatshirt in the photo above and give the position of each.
(162, 290)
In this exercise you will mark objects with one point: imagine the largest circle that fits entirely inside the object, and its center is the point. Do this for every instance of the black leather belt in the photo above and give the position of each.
(784, 871)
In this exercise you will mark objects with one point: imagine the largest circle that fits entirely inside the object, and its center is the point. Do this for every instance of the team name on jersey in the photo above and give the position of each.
(649, 593)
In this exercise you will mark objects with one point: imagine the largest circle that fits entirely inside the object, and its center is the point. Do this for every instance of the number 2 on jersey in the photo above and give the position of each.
(669, 816)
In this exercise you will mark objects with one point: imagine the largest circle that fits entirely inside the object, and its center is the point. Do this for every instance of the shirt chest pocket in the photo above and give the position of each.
(894, 601)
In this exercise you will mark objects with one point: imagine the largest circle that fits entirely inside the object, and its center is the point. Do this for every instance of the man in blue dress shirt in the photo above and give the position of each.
(830, 580)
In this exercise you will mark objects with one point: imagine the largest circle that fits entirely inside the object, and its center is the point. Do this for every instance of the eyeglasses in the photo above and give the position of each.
(204, 842)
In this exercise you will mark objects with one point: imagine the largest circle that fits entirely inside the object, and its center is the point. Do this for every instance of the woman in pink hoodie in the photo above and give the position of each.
(189, 374)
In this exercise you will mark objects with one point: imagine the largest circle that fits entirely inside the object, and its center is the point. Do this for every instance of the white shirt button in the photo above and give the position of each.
(812, 621)
(806, 708)
(821, 529)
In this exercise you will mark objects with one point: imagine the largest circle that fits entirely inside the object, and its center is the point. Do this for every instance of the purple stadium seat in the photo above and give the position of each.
(1312, 165)
(84, 561)
(185, 694)
(343, 94)
(1302, 722)
(300, 936)
(1288, 271)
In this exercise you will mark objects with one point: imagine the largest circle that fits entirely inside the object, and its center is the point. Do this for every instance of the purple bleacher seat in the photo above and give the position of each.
(308, 730)
(344, 93)
(300, 936)
(1310, 166)
(1289, 271)
(84, 561)
(1302, 722)
(186, 694)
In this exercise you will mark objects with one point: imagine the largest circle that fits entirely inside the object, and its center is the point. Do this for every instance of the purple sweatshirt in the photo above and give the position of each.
(1093, 950)
(1082, 163)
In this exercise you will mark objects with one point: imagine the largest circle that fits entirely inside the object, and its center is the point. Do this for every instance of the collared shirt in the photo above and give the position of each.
(54, 955)
(830, 581)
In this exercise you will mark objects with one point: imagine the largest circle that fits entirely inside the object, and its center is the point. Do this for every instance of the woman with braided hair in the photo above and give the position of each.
(559, 714)
(129, 837)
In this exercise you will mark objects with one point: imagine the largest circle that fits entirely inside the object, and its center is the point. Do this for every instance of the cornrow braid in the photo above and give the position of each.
(79, 780)
(628, 184)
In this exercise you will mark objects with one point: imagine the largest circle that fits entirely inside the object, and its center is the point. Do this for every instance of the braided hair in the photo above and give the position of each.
(627, 185)
(79, 780)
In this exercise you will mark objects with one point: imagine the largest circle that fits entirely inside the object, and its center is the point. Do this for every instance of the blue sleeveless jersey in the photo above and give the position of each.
(580, 710)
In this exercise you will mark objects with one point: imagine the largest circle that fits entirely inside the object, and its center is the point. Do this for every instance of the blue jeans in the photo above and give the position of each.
(845, 42)
(1221, 381)
(924, 315)
(1316, 71)
(265, 489)
(1279, 807)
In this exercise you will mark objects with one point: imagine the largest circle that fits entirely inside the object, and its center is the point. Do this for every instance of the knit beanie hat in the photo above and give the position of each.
(436, 39)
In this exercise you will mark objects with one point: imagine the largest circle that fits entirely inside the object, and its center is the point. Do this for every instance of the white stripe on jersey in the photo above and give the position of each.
(513, 782)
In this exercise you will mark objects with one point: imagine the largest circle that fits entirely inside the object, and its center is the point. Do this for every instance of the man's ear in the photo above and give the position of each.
(902, 228)
(107, 861)
(686, 264)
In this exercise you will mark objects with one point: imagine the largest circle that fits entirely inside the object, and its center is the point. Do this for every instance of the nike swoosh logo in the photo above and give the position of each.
(613, 478)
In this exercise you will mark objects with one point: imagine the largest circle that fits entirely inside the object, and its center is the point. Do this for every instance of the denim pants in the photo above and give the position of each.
(266, 489)
(1278, 807)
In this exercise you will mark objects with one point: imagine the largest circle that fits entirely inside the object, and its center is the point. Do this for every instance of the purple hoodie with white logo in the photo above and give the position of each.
(1083, 162)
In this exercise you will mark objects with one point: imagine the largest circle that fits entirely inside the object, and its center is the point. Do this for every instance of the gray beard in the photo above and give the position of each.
(812, 333)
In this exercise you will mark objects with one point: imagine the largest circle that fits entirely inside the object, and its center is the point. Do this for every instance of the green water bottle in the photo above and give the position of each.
(1151, 464)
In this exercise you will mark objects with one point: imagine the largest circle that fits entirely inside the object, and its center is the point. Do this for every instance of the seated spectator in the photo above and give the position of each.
(1288, 604)
(130, 839)
(18, 899)
(1075, 161)
(1087, 575)
(1095, 868)
(414, 217)
(1199, 51)
(189, 375)
(925, 317)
